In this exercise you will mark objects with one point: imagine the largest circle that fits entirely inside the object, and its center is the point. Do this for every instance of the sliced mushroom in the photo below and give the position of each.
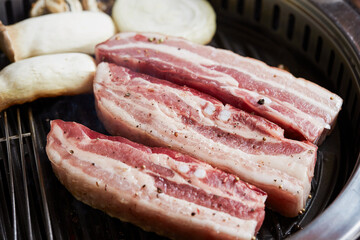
(46, 76)
(55, 33)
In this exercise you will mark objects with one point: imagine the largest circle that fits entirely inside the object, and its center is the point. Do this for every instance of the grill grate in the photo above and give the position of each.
(18, 178)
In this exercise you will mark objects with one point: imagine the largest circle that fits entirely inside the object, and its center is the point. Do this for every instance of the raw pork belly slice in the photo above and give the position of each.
(304, 109)
(158, 189)
(159, 113)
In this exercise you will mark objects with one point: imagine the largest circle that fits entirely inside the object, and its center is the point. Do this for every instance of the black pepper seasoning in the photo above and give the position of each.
(261, 101)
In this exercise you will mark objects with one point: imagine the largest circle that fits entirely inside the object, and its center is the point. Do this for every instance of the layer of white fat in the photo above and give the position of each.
(198, 174)
(182, 54)
(226, 79)
(251, 132)
(53, 155)
(148, 198)
(231, 193)
(319, 123)
(183, 174)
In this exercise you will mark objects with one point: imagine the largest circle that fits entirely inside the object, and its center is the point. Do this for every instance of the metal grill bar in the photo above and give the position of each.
(4, 216)
(24, 177)
(3, 139)
(34, 137)
(2, 227)
(11, 176)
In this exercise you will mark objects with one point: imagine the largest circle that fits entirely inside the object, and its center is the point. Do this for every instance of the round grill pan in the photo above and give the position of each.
(312, 39)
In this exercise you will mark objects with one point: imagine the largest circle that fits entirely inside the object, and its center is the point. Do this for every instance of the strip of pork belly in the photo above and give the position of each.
(158, 113)
(156, 188)
(304, 109)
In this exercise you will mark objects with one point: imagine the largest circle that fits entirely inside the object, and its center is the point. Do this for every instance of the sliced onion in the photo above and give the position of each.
(191, 19)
